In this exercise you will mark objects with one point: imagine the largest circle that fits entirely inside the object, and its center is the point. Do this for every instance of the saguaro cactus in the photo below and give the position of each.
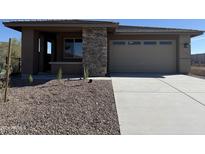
(8, 63)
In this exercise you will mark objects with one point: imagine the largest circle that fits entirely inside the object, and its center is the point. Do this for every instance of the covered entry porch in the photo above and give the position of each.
(55, 50)
(48, 49)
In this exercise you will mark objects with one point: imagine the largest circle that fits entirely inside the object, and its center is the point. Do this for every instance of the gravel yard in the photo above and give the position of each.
(60, 107)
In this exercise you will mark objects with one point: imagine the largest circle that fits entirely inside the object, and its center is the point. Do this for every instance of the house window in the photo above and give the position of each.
(49, 48)
(165, 42)
(134, 42)
(73, 48)
(150, 43)
(118, 43)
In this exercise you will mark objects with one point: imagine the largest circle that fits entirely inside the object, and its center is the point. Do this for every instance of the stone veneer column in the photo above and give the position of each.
(184, 55)
(95, 50)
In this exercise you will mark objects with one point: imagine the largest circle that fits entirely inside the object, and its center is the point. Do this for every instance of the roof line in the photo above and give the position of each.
(150, 27)
(56, 20)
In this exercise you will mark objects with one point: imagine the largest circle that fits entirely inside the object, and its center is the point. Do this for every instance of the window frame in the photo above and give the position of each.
(64, 55)
(134, 43)
(120, 42)
(154, 43)
(165, 42)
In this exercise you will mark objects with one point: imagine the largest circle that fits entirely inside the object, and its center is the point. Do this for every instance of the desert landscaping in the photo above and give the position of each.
(59, 107)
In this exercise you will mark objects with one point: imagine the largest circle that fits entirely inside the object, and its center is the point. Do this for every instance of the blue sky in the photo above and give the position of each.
(197, 45)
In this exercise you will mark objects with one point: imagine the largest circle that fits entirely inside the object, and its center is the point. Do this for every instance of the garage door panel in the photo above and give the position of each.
(143, 58)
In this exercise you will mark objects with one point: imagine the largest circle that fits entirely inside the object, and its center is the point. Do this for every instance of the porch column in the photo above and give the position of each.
(52, 50)
(36, 53)
(95, 50)
(42, 53)
(59, 49)
(28, 52)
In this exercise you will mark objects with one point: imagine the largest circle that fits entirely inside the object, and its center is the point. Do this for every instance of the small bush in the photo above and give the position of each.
(59, 74)
(30, 79)
(1, 85)
(15, 66)
(85, 73)
(1, 68)
(2, 73)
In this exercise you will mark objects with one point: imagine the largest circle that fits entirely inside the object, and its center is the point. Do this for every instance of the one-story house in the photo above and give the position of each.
(102, 47)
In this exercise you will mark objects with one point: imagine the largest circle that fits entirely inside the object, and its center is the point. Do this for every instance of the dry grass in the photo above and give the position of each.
(198, 70)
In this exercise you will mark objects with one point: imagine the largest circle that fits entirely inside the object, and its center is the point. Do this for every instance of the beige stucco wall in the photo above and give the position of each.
(184, 54)
(68, 69)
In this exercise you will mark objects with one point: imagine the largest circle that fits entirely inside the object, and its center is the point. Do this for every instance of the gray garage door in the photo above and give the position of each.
(158, 56)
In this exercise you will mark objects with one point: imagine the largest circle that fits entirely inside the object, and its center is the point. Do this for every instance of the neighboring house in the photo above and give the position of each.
(198, 59)
(102, 47)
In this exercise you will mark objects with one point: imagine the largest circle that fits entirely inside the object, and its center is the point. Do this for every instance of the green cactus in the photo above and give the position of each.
(59, 74)
(30, 79)
(85, 73)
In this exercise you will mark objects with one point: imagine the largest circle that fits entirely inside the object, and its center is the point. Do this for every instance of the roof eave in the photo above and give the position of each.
(197, 33)
(19, 26)
(192, 34)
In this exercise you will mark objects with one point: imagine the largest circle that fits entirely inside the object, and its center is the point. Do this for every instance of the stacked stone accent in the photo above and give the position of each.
(184, 58)
(95, 50)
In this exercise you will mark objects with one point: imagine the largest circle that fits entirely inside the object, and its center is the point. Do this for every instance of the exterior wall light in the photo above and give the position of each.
(186, 45)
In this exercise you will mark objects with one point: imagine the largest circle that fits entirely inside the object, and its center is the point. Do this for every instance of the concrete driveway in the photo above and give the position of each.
(157, 104)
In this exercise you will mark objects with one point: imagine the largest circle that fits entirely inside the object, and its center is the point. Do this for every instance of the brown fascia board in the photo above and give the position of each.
(124, 30)
(192, 34)
(59, 21)
(20, 25)
(197, 33)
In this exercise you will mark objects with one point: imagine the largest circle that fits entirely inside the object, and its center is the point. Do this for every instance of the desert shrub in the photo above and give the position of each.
(85, 73)
(59, 74)
(1, 68)
(1, 84)
(15, 54)
(2, 76)
(15, 65)
(30, 79)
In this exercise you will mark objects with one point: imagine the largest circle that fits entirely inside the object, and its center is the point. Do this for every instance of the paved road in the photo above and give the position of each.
(157, 104)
